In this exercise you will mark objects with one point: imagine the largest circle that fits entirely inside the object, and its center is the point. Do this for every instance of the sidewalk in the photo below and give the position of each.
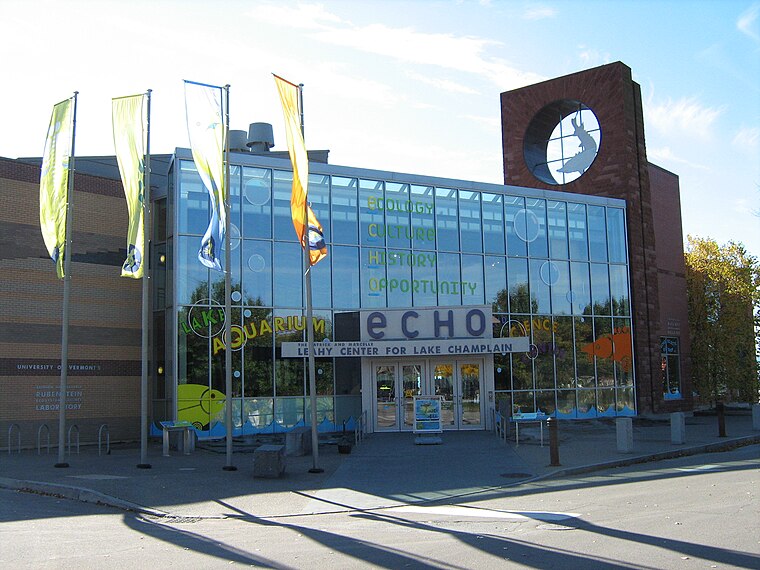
(383, 470)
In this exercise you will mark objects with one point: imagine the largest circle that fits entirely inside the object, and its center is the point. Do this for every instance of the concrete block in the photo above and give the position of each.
(269, 461)
(298, 441)
(677, 428)
(756, 417)
(624, 432)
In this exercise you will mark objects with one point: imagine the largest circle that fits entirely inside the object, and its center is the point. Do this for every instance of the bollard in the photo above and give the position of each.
(721, 420)
(624, 434)
(554, 441)
(677, 428)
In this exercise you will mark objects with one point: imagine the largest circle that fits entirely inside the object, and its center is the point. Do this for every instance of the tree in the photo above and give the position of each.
(723, 288)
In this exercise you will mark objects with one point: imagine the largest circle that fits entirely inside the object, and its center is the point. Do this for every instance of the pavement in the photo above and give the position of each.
(382, 470)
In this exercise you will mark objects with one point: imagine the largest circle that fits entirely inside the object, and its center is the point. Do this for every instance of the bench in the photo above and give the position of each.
(269, 461)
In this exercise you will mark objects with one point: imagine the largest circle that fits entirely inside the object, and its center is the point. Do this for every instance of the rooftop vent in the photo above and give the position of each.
(239, 141)
(260, 137)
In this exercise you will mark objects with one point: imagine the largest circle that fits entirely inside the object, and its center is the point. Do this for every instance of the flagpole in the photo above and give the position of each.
(66, 297)
(309, 321)
(147, 224)
(227, 285)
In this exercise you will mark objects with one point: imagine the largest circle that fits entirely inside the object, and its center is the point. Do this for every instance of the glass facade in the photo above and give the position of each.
(552, 266)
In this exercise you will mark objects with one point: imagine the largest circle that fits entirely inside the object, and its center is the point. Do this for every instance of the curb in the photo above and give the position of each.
(659, 456)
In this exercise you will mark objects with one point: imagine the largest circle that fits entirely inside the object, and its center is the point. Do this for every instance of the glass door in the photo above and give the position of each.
(459, 383)
(396, 385)
(386, 415)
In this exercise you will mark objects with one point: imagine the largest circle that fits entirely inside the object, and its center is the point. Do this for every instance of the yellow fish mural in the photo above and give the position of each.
(198, 404)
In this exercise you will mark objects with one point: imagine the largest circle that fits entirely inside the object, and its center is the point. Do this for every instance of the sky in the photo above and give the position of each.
(406, 86)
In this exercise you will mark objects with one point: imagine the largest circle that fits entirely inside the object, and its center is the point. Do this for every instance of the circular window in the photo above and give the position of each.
(562, 141)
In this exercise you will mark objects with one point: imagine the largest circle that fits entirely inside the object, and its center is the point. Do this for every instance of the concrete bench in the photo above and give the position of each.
(269, 461)
(298, 441)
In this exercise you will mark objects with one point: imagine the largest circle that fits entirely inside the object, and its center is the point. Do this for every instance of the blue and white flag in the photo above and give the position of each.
(205, 127)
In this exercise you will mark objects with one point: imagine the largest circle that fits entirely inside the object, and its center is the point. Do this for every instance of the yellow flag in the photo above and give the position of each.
(128, 119)
(301, 213)
(54, 182)
(206, 129)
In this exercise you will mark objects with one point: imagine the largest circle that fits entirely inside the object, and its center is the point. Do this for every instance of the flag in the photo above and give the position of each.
(301, 213)
(205, 127)
(128, 118)
(54, 182)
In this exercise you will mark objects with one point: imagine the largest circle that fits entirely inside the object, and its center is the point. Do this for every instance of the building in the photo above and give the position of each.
(566, 298)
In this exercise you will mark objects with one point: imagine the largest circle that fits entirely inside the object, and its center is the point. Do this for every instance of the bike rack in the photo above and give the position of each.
(39, 439)
(75, 427)
(108, 438)
(10, 431)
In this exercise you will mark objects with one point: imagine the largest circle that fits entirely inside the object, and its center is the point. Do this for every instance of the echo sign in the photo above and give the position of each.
(419, 324)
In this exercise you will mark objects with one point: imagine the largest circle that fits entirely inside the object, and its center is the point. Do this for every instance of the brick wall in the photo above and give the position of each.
(620, 171)
(104, 330)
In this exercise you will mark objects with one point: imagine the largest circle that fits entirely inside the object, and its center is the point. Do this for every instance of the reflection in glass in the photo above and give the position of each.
(619, 289)
(345, 284)
(345, 216)
(193, 202)
(373, 279)
(443, 385)
(557, 229)
(515, 225)
(597, 232)
(536, 223)
(577, 231)
(282, 219)
(540, 296)
(600, 288)
(288, 271)
(446, 219)
(469, 374)
(412, 378)
(496, 283)
(397, 215)
(372, 229)
(472, 280)
(470, 222)
(616, 235)
(449, 283)
(493, 223)
(423, 220)
(385, 397)
(399, 278)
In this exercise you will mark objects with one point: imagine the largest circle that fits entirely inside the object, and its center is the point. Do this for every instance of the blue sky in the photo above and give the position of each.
(405, 86)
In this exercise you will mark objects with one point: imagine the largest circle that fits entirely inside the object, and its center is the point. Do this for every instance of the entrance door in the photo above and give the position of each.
(458, 382)
(396, 385)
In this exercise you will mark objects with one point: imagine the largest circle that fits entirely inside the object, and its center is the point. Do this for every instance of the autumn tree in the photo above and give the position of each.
(723, 287)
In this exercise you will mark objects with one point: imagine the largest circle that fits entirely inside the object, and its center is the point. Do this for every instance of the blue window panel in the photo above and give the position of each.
(397, 206)
(288, 275)
(423, 218)
(449, 280)
(496, 283)
(446, 219)
(470, 222)
(371, 214)
(193, 203)
(346, 289)
(257, 272)
(493, 223)
(257, 202)
(557, 229)
(345, 210)
(597, 232)
(577, 231)
(473, 281)
(282, 186)
(616, 235)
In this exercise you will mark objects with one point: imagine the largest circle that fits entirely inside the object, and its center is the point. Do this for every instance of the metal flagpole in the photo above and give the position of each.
(309, 324)
(147, 224)
(227, 285)
(66, 297)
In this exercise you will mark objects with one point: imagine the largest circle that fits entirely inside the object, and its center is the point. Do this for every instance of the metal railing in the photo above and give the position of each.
(108, 438)
(73, 427)
(39, 438)
(10, 432)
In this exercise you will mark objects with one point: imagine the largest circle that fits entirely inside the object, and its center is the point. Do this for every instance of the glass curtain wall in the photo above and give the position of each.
(554, 270)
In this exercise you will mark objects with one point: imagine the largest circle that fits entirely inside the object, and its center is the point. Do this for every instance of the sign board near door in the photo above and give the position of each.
(427, 414)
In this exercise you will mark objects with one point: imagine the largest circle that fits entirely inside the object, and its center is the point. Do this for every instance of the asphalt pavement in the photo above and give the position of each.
(381, 470)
